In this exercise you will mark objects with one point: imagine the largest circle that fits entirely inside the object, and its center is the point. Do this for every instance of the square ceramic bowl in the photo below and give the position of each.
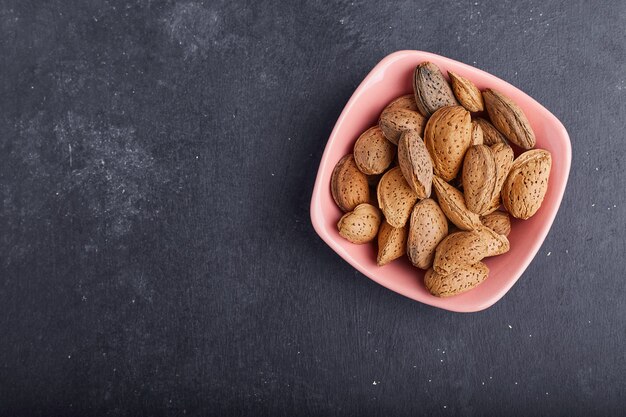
(392, 78)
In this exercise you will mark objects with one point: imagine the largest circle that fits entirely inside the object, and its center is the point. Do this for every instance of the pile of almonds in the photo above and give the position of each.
(431, 140)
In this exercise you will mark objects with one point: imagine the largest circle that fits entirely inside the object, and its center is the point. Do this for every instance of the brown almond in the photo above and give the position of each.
(479, 178)
(503, 155)
(348, 184)
(415, 163)
(466, 92)
(453, 205)
(477, 134)
(447, 137)
(457, 282)
(431, 89)
(527, 183)
(509, 119)
(498, 221)
(395, 197)
(394, 121)
(459, 250)
(491, 136)
(360, 225)
(427, 228)
(373, 153)
(497, 244)
(403, 102)
(391, 243)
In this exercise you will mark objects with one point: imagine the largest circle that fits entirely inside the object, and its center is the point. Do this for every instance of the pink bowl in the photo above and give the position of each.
(388, 80)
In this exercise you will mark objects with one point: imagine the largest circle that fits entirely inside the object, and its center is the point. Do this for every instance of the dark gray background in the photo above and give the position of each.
(156, 254)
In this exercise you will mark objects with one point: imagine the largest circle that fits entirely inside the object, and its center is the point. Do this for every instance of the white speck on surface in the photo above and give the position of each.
(614, 206)
(549, 253)
(530, 335)
(596, 168)
(483, 382)
(84, 298)
(547, 393)
(374, 383)
(272, 174)
(593, 205)
(589, 321)
(441, 360)
(445, 406)
(430, 380)
(69, 356)
(197, 156)
(490, 377)
(566, 251)
(298, 352)
(69, 145)
(510, 327)
(341, 21)
(133, 301)
(516, 383)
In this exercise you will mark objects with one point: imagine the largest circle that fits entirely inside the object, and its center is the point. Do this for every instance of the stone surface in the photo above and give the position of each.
(136, 279)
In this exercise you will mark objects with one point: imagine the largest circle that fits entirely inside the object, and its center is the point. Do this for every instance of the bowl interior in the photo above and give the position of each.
(388, 80)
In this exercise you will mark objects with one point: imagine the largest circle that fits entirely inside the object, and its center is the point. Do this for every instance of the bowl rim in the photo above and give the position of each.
(316, 209)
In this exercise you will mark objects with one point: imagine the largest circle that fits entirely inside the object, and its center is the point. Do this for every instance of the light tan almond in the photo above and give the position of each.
(427, 228)
(415, 163)
(479, 178)
(491, 136)
(348, 185)
(466, 92)
(477, 134)
(497, 244)
(498, 221)
(431, 89)
(453, 205)
(403, 102)
(509, 119)
(503, 155)
(457, 282)
(527, 183)
(447, 136)
(395, 197)
(360, 225)
(459, 250)
(373, 153)
(391, 243)
(394, 121)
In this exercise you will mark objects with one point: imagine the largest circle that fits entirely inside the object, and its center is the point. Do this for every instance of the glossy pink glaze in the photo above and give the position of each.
(388, 80)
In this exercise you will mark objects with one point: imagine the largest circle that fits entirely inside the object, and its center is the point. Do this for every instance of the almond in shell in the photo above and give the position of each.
(415, 163)
(477, 134)
(457, 282)
(459, 250)
(503, 155)
(479, 178)
(491, 136)
(497, 244)
(498, 221)
(447, 137)
(391, 243)
(431, 89)
(360, 225)
(509, 119)
(372, 152)
(348, 184)
(394, 121)
(427, 229)
(395, 197)
(466, 92)
(453, 205)
(403, 102)
(527, 183)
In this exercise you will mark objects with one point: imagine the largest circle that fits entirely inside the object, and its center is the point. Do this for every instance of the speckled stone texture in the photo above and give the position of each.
(156, 255)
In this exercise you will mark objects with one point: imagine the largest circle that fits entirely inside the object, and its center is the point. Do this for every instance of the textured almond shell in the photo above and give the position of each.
(453, 205)
(391, 243)
(491, 136)
(498, 221)
(457, 282)
(466, 92)
(415, 163)
(395, 197)
(497, 244)
(431, 89)
(525, 187)
(373, 153)
(503, 155)
(479, 178)
(360, 225)
(477, 134)
(348, 184)
(447, 137)
(458, 251)
(403, 102)
(428, 226)
(396, 120)
(509, 119)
